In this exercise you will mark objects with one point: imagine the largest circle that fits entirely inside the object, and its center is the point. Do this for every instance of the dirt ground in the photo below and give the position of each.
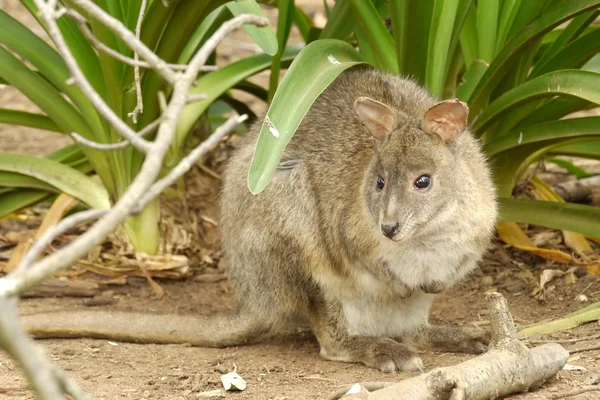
(286, 367)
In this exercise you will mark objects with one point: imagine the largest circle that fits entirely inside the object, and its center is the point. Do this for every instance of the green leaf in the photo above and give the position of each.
(471, 79)
(49, 63)
(284, 24)
(15, 200)
(561, 11)
(440, 35)
(313, 70)
(589, 149)
(468, 36)
(582, 84)
(303, 22)
(551, 214)
(569, 167)
(207, 27)
(27, 119)
(379, 38)
(487, 25)
(569, 33)
(262, 35)
(213, 85)
(555, 109)
(573, 55)
(82, 50)
(339, 23)
(510, 9)
(64, 178)
(544, 135)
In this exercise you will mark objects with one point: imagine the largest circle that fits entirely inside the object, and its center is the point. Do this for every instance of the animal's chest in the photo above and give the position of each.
(392, 317)
(420, 263)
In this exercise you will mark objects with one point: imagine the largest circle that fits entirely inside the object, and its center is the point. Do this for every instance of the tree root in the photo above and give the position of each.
(508, 367)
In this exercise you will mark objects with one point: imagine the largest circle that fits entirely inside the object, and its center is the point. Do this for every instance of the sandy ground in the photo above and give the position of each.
(286, 367)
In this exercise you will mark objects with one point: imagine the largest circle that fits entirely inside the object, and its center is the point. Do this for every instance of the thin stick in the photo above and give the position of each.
(588, 348)
(82, 23)
(56, 230)
(575, 392)
(47, 10)
(139, 107)
(370, 386)
(189, 161)
(575, 340)
(115, 146)
(128, 38)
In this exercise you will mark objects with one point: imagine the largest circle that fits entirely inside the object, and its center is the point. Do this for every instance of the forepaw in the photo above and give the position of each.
(472, 340)
(389, 356)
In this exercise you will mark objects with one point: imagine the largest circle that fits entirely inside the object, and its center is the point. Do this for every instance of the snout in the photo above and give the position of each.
(390, 229)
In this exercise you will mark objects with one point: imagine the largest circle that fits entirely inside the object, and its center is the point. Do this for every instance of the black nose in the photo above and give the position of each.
(391, 229)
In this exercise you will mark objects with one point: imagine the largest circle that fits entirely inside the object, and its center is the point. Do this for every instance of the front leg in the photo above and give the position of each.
(381, 353)
(451, 338)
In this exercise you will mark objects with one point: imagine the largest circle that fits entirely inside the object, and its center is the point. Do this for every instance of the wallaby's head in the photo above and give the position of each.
(416, 171)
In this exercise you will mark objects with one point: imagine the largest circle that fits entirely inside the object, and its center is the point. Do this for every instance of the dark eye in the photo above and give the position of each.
(380, 182)
(423, 182)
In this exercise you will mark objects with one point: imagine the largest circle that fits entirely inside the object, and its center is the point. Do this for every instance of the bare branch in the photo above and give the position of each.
(47, 10)
(128, 38)
(139, 107)
(16, 343)
(58, 229)
(189, 161)
(115, 146)
(82, 23)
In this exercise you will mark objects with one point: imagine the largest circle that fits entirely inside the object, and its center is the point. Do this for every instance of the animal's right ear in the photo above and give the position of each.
(379, 118)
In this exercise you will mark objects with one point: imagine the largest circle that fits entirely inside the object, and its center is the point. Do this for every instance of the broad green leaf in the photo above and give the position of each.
(16, 180)
(561, 11)
(471, 79)
(82, 50)
(64, 178)
(487, 28)
(262, 35)
(551, 214)
(15, 200)
(157, 17)
(367, 52)
(545, 134)
(582, 84)
(573, 29)
(27, 119)
(213, 85)
(49, 63)
(468, 37)
(555, 109)
(207, 27)
(339, 23)
(510, 9)
(313, 70)
(440, 36)
(528, 11)
(381, 41)
(589, 149)
(284, 24)
(573, 55)
(304, 23)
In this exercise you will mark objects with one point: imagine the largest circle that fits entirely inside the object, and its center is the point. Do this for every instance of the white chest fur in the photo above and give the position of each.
(391, 318)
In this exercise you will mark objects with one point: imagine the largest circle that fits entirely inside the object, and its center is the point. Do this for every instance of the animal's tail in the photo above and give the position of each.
(220, 330)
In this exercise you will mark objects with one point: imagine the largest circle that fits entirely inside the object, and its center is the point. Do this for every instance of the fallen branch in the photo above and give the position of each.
(588, 348)
(508, 367)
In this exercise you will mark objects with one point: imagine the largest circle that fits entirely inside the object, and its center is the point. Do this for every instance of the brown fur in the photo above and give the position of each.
(308, 249)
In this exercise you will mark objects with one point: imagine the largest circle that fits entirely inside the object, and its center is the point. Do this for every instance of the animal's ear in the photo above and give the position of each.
(379, 118)
(446, 119)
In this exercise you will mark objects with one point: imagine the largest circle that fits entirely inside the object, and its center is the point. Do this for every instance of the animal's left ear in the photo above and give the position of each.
(446, 119)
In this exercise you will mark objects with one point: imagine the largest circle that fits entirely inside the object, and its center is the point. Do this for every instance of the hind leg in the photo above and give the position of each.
(337, 344)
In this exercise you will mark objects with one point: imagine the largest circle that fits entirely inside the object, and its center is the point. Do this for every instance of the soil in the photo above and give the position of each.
(287, 367)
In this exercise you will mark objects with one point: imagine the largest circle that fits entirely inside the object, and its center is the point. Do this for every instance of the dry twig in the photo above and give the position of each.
(46, 380)
(508, 367)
